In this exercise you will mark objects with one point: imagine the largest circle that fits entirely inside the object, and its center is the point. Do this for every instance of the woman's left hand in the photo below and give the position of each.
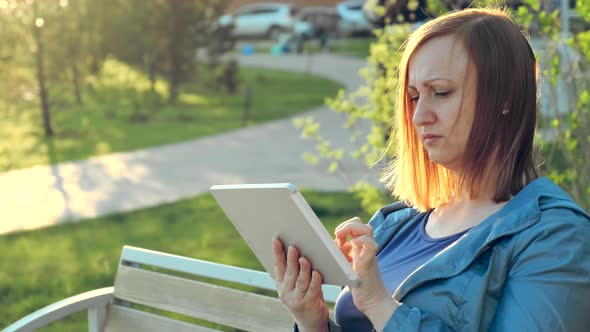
(371, 297)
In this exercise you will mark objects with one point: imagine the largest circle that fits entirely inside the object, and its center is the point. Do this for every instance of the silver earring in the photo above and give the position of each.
(505, 111)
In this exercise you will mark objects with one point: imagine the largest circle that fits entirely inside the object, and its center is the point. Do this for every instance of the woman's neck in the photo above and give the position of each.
(487, 189)
(463, 212)
(459, 215)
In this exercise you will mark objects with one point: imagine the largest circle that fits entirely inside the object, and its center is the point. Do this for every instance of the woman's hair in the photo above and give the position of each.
(500, 144)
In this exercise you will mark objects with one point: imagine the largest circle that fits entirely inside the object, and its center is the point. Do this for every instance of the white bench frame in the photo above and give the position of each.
(109, 308)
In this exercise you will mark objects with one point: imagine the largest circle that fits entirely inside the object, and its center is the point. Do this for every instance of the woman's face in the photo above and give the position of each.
(442, 87)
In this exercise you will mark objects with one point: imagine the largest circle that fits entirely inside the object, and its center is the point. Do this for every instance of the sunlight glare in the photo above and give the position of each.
(192, 99)
(63, 3)
(39, 22)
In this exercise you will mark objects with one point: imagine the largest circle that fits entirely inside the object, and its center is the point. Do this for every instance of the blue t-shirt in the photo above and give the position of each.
(397, 260)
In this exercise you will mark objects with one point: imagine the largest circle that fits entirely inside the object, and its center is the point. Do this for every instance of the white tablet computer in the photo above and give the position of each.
(263, 211)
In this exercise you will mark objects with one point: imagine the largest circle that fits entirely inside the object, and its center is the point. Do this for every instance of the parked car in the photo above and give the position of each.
(261, 20)
(352, 20)
(311, 23)
(303, 29)
(321, 20)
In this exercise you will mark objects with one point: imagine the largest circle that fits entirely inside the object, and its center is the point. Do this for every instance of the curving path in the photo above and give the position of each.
(272, 152)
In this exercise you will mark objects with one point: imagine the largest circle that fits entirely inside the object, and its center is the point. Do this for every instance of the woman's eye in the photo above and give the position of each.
(442, 93)
(414, 98)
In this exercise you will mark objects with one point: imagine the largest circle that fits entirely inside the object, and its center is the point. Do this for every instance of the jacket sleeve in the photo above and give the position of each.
(548, 285)
(410, 319)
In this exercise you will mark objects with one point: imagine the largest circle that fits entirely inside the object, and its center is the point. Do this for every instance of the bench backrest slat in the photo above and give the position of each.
(209, 269)
(123, 319)
(239, 309)
(197, 267)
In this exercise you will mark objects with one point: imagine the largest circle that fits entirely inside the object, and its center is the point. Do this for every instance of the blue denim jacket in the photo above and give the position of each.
(525, 268)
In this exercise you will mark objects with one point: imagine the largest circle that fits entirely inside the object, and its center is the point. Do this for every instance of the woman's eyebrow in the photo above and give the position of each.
(429, 81)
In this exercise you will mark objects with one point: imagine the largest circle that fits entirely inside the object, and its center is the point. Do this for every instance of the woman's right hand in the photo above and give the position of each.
(300, 289)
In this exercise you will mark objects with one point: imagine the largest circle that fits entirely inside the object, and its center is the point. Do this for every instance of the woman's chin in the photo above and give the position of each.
(436, 157)
(442, 160)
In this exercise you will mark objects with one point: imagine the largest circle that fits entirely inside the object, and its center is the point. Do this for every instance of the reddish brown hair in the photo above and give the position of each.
(507, 78)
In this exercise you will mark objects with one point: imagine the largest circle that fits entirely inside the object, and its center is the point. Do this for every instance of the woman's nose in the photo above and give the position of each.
(423, 114)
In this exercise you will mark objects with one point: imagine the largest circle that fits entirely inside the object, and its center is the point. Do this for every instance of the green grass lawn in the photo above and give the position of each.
(357, 47)
(43, 266)
(121, 114)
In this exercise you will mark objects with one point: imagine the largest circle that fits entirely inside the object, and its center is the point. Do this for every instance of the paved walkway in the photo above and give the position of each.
(272, 152)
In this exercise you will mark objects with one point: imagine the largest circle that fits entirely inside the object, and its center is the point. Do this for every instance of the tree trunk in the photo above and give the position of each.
(76, 82)
(152, 74)
(41, 81)
(172, 90)
(174, 70)
(175, 54)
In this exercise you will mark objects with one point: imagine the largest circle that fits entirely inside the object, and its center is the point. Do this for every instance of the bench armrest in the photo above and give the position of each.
(96, 299)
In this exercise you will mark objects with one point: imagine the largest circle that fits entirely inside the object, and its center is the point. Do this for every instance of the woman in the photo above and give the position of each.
(480, 243)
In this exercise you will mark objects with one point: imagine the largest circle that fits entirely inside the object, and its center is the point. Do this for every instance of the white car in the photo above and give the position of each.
(352, 19)
(261, 20)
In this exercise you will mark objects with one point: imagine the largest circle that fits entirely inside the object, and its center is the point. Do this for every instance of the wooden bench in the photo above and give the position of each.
(151, 279)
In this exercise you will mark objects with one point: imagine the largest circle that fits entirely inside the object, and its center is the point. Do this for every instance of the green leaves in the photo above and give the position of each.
(309, 127)
(371, 198)
(549, 22)
(310, 130)
(311, 158)
(583, 8)
(534, 4)
(523, 16)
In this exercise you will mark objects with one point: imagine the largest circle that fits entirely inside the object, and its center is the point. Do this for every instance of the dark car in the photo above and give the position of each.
(323, 20)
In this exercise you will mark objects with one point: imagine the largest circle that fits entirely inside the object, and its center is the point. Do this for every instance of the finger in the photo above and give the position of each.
(304, 278)
(354, 230)
(315, 286)
(340, 236)
(352, 225)
(351, 220)
(346, 227)
(345, 247)
(292, 271)
(340, 241)
(363, 246)
(279, 259)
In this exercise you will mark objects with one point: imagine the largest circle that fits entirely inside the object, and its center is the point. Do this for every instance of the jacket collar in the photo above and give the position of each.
(520, 213)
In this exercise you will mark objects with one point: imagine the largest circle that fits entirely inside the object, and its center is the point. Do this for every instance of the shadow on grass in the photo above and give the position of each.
(59, 180)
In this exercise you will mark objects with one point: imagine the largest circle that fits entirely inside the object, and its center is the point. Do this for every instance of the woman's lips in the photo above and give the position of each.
(430, 138)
